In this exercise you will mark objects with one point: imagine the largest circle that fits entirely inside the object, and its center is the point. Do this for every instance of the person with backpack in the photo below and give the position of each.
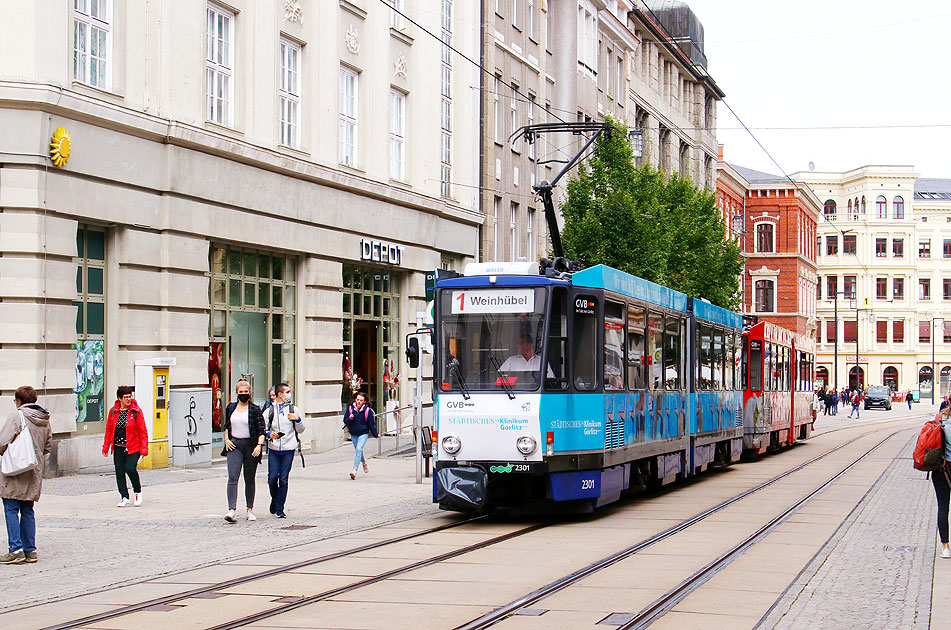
(856, 401)
(361, 422)
(909, 399)
(940, 476)
(283, 424)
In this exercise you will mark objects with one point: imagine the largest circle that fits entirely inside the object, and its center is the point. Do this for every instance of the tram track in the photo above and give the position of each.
(673, 597)
(482, 622)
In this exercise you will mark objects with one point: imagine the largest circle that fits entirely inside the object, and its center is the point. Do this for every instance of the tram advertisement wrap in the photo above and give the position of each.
(489, 425)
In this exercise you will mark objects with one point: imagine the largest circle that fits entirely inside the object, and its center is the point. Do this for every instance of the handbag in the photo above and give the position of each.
(20, 456)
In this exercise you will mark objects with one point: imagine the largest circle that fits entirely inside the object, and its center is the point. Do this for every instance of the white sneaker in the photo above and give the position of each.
(946, 553)
(230, 517)
(123, 502)
(251, 516)
(138, 499)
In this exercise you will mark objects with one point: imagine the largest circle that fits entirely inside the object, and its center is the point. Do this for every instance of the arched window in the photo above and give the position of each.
(890, 378)
(829, 209)
(925, 378)
(764, 296)
(862, 207)
(861, 377)
(764, 237)
(944, 380)
(898, 208)
(822, 376)
(850, 208)
(881, 207)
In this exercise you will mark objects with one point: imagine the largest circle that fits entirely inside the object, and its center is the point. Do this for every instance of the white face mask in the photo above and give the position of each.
(287, 398)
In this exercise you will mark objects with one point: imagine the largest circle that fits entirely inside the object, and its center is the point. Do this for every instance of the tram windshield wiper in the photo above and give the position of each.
(503, 378)
(453, 365)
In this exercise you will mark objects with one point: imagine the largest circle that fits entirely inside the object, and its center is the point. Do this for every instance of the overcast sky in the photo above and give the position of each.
(832, 63)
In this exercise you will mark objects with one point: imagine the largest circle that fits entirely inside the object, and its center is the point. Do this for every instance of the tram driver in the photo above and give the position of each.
(525, 360)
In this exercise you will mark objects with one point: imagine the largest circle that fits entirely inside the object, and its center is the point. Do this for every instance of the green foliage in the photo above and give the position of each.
(632, 219)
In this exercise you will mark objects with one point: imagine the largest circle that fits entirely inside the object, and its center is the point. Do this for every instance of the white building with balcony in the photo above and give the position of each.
(884, 266)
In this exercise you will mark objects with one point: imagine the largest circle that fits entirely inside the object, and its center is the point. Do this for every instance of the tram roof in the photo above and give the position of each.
(769, 331)
(501, 281)
(610, 279)
(717, 314)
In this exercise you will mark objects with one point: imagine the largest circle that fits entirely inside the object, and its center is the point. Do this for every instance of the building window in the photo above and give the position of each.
(513, 110)
(946, 335)
(924, 288)
(254, 309)
(898, 331)
(848, 286)
(881, 332)
(397, 134)
(898, 247)
(531, 235)
(946, 248)
(881, 207)
(832, 245)
(497, 110)
(90, 306)
(924, 332)
(531, 19)
(607, 73)
(349, 93)
(289, 93)
(764, 237)
(881, 247)
(819, 290)
(588, 35)
(898, 288)
(445, 167)
(946, 288)
(764, 296)
(850, 331)
(396, 17)
(219, 66)
(924, 248)
(513, 236)
(898, 208)
(92, 42)
(881, 288)
(495, 228)
(829, 210)
(830, 330)
(832, 287)
(862, 209)
(848, 244)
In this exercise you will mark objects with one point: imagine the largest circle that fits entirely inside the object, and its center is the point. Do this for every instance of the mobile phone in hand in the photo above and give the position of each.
(280, 434)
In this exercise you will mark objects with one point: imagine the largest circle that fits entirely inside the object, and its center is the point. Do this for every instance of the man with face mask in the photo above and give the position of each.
(283, 424)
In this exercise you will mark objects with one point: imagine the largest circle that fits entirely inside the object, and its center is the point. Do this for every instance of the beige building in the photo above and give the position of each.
(551, 61)
(246, 187)
(884, 257)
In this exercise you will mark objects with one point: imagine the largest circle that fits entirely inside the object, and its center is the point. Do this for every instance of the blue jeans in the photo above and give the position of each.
(278, 470)
(21, 525)
(855, 409)
(359, 441)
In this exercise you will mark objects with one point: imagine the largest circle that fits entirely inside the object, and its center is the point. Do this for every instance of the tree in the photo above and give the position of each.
(632, 219)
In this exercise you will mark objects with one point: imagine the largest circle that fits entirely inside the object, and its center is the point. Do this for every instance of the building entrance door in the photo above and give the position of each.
(856, 382)
(366, 358)
(248, 352)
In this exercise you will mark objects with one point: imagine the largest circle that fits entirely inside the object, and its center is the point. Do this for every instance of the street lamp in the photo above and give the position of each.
(933, 379)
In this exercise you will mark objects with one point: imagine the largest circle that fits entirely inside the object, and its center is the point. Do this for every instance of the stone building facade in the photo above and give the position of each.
(251, 187)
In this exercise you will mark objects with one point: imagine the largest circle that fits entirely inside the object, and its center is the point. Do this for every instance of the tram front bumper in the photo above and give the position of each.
(461, 488)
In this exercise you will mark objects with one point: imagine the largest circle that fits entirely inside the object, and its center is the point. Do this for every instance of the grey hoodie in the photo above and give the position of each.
(27, 486)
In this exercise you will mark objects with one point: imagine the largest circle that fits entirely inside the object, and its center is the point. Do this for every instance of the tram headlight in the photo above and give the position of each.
(451, 444)
(526, 445)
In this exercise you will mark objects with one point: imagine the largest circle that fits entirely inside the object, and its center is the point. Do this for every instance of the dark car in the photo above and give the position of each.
(878, 397)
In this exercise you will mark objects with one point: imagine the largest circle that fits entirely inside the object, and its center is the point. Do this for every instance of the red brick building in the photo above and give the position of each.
(778, 238)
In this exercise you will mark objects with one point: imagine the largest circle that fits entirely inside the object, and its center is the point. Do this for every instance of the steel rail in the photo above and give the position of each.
(663, 604)
(209, 588)
(527, 600)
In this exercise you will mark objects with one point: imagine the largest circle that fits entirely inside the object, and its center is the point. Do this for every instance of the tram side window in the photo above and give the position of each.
(636, 359)
(745, 362)
(584, 338)
(655, 343)
(787, 365)
(718, 359)
(673, 353)
(704, 353)
(614, 378)
(728, 361)
(768, 367)
(558, 341)
(754, 360)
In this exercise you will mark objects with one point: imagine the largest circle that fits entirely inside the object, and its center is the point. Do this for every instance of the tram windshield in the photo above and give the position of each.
(492, 339)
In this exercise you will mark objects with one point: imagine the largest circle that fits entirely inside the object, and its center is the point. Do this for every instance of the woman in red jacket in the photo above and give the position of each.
(128, 438)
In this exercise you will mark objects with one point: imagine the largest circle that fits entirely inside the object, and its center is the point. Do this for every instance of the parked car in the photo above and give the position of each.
(879, 397)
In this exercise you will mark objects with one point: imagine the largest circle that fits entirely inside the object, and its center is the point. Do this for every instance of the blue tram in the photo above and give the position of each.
(577, 387)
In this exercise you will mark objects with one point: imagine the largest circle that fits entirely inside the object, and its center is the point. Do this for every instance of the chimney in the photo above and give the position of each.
(720, 152)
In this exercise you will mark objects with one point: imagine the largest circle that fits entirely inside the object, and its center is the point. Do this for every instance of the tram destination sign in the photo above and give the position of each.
(493, 301)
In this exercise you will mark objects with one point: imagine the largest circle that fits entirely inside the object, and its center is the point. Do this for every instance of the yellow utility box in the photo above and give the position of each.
(151, 392)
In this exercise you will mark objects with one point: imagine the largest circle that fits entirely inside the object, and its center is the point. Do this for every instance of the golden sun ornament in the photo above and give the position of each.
(60, 147)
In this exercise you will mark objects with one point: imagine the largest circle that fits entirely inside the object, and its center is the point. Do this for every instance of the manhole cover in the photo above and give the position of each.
(531, 612)
(899, 548)
(297, 527)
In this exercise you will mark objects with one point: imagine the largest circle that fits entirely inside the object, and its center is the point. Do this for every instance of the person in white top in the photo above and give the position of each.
(526, 360)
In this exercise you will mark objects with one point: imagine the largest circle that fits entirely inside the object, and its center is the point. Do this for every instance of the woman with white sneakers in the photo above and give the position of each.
(244, 441)
(128, 439)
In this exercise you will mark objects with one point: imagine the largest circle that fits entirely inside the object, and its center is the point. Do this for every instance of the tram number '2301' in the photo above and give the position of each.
(587, 484)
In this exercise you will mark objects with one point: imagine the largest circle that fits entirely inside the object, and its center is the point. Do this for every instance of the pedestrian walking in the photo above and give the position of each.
(361, 422)
(908, 399)
(283, 424)
(128, 439)
(856, 401)
(941, 480)
(21, 491)
(826, 402)
(244, 440)
(270, 400)
(816, 405)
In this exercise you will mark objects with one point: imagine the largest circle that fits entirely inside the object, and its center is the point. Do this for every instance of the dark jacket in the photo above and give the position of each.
(909, 397)
(28, 485)
(136, 433)
(360, 422)
(255, 420)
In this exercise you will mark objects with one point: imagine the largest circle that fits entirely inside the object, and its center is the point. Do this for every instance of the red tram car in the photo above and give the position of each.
(778, 372)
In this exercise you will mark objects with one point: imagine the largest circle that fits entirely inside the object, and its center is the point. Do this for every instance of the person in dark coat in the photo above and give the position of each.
(21, 491)
(909, 398)
(361, 422)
